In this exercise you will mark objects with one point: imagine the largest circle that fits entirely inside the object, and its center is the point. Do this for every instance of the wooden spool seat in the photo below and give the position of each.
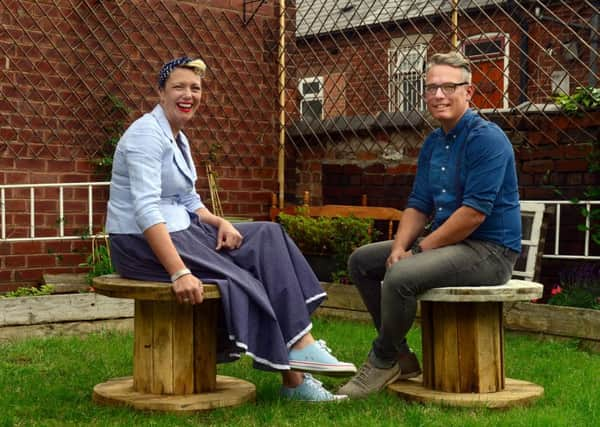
(463, 348)
(174, 362)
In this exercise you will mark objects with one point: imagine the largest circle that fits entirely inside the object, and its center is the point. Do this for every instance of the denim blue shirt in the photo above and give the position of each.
(152, 182)
(472, 165)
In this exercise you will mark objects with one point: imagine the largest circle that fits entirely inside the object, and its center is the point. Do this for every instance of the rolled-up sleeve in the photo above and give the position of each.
(487, 158)
(191, 201)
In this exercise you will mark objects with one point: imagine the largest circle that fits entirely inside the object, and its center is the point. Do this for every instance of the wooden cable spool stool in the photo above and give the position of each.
(174, 362)
(463, 348)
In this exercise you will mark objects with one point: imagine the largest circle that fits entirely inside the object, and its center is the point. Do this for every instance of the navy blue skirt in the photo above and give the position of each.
(268, 290)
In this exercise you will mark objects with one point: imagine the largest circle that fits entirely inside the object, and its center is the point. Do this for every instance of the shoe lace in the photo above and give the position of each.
(323, 345)
(362, 376)
(317, 386)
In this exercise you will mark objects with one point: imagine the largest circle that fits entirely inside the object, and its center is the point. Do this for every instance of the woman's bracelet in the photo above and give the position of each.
(180, 273)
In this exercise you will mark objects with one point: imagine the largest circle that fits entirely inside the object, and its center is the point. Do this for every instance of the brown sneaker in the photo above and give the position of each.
(369, 379)
(409, 366)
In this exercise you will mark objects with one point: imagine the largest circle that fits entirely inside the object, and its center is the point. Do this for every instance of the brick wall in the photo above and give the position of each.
(59, 64)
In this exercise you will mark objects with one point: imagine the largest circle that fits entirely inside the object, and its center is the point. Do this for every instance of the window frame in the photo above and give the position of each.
(397, 79)
(312, 96)
(503, 53)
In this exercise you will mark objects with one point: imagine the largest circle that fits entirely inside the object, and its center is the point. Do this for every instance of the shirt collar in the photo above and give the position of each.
(462, 124)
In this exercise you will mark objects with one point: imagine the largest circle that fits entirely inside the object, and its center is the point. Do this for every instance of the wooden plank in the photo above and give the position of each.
(342, 296)
(468, 349)
(361, 316)
(487, 318)
(113, 285)
(62, 308)
(67, 282)
(372, 212)
(142, 347)
(228, 392)
(513, 290)
(183, 349)
(427, 343)
(13, 333)
(205, 346)
(516, 393)
(556, 320)
(445, 347)
(162, 348)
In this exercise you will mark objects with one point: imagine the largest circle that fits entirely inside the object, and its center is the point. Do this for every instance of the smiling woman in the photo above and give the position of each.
(161, 231)
(180, 89)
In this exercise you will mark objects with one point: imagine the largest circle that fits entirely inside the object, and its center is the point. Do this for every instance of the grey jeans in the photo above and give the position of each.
(390, 294)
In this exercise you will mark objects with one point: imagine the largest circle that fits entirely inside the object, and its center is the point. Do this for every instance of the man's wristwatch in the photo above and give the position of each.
(416, 249)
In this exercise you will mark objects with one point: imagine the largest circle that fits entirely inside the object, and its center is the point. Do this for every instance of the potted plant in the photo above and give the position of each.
(327, 242)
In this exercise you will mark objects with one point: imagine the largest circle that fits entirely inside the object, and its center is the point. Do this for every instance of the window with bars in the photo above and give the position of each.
(407, 77)
(311, 98)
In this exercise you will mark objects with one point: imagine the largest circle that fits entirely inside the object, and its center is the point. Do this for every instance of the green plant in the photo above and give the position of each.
(118, 112)
(98, 261)
(30, 292)
(336, 236)
(579, 287)
(583, 99)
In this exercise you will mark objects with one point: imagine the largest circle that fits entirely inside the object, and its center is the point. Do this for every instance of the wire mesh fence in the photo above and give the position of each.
(74, 73)
(367, 58)
(67, 64)
(354, 72)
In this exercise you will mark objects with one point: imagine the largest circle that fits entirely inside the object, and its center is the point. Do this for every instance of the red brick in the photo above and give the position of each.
(41, 261)
(25, 248)
(540, 166)
(571, 165)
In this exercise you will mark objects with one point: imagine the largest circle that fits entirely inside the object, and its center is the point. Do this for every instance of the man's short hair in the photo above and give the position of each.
(452, 59)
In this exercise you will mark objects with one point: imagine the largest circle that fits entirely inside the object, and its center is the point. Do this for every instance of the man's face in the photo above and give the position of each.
(444, 106)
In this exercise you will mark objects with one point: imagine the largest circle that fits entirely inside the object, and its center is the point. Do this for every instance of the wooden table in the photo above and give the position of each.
(174, 363)
(463, 348)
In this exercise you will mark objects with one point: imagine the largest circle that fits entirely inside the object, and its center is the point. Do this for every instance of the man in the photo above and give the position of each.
(466, 187)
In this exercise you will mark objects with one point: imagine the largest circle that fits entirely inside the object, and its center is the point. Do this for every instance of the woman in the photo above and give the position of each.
(160, 230)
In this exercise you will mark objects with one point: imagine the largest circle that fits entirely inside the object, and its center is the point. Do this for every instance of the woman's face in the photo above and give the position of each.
(180, 97)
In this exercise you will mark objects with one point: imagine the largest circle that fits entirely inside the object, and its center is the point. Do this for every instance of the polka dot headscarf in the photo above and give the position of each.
(197, 65)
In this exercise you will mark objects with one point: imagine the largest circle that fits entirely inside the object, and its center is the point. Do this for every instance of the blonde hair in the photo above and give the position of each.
(452, 59)
(197, 66)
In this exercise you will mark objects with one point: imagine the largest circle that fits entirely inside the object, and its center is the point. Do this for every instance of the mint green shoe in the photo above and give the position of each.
(310, 390)
(316, 358)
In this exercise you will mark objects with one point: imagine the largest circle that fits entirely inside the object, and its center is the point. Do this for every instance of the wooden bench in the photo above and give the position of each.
(463, 337)
(174, 360)
(378, 213)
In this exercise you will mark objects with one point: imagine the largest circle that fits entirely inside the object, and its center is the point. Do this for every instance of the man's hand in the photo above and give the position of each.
(188, 290)
(396, 255)
(228, 237)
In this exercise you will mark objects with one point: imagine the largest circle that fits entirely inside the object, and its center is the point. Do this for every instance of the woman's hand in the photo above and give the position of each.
(188, 290)
(228, 237)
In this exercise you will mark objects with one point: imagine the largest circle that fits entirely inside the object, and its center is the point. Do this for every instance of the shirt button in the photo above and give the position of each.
(443, 190)
(443, 168)
(439, 209)
(447, 147)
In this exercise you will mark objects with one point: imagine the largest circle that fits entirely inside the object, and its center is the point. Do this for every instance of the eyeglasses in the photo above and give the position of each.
(447, 88)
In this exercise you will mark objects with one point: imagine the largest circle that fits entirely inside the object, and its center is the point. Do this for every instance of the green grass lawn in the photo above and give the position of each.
(49, 382)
